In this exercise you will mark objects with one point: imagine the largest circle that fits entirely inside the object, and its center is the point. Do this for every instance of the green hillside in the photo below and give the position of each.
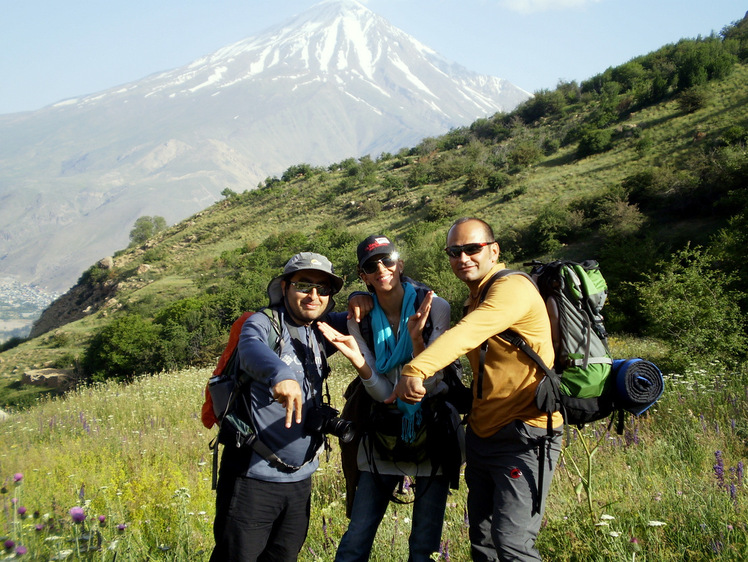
(630, 167)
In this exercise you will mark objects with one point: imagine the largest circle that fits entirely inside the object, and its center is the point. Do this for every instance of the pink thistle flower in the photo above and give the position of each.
(121, 527)
(9, 544)
(21, 550)
(17, 477)
(78, 515)
(22, 511)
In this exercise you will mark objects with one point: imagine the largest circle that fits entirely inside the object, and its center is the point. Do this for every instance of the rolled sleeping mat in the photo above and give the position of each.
(639, 384)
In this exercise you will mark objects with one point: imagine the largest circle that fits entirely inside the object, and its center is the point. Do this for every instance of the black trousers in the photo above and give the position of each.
(260, 521)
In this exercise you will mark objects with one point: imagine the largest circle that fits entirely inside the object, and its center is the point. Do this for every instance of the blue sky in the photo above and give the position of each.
(52, 50)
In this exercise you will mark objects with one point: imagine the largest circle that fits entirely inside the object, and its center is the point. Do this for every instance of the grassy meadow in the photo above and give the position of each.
(135, 459)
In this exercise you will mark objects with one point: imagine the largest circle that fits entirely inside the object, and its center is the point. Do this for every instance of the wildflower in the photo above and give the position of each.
(719, 469)
(614, 534)
(606, 517)
(9, 544)
(656, 523)
(634, 542)
(121, 527)
(39, 526)
(102, 520)
(444, 550)
(22, 511)
(78, 515)
(21, 550)
(17, 477)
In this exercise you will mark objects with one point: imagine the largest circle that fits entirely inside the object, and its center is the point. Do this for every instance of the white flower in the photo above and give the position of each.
(602, 524)
(614, 534)
(606, 517)
(657, 523)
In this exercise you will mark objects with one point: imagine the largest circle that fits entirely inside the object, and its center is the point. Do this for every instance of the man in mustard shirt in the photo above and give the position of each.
(507, 437)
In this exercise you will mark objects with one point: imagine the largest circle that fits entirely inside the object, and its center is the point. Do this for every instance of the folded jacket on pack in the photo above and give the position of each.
(639, 384)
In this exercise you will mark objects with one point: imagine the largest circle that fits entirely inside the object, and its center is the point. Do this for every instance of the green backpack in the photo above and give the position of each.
(575, 294)
(579, 384)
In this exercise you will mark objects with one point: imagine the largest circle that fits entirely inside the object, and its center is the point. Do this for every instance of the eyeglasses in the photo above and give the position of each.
(372, 266)
(467, 249)
(306, 288)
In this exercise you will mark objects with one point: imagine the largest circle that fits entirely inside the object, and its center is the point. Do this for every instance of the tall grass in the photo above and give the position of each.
(136, 460)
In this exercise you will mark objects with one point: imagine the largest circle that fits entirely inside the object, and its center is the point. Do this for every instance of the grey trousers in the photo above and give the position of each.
(502, 478)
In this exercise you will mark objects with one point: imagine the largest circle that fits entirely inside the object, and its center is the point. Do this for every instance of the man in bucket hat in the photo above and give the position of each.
(262, 507)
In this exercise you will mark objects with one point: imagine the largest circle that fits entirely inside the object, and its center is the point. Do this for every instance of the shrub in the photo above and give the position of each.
(497, 181)
(687, 303)
(693, 99)
(443, 209)
(594, 142)
(123, 349)
(525, 153)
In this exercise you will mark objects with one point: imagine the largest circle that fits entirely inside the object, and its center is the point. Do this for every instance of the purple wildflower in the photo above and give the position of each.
(9, 544)
(22, 511)
(78, 515)
(444, 550)
(14, 501)
(121, 527)
(39, 526)
(739, 473)
(21, 550)
(17, 477)
(82, 493)
(719, 469)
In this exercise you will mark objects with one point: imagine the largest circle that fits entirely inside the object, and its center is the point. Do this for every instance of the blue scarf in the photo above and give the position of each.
(392, 351)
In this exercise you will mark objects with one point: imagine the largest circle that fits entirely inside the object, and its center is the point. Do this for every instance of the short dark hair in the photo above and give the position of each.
(486, 227)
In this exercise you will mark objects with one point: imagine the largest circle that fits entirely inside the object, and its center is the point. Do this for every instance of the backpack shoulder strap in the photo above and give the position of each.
(275, 320)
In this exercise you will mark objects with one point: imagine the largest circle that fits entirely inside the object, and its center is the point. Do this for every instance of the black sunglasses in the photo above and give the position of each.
(372, 266)
(306, 288)
(467, 249)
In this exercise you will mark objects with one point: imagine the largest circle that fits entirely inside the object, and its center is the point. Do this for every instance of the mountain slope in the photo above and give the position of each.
(334, 82)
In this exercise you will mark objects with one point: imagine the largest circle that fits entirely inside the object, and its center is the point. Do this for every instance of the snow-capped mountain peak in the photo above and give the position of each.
(333, 82)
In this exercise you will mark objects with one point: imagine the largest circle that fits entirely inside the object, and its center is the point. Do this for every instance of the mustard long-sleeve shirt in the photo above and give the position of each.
(510, 376)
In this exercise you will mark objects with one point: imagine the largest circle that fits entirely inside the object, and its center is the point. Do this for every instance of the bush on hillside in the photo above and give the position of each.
(124, 349)
(688, 303)
(693, 99)
(594, 142)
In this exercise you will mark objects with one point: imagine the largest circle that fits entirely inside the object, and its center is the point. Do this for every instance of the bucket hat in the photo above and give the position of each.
(302, 262)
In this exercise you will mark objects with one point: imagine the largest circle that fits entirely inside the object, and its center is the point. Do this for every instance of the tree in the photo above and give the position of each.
(146, 227)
